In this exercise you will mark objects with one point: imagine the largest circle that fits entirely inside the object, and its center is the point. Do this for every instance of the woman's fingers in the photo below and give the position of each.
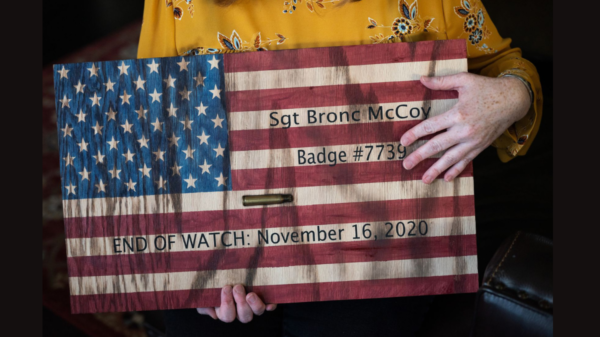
(207, 311)
(428, 127)
(226, 312)
(256, 304)
(443, 121)
(244, 312)
(451, 157)
(434, 146)
(460, 166)
(236, 303)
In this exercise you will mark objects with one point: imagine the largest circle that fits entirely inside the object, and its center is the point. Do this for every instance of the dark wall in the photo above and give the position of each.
(529, 24)
(70, 25)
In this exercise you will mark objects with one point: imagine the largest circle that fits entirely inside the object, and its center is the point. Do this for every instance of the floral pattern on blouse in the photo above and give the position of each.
(474, 24)
(178, 10)
(410, 22)
(313, 6)
(235, 44)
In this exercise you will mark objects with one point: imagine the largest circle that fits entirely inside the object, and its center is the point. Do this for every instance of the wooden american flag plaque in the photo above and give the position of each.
(157, 154)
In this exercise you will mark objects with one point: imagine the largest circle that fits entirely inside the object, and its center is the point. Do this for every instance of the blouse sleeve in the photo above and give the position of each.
(157, 38)
(491, 55)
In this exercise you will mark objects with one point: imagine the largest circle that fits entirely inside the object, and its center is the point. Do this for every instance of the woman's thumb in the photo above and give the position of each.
(449, 82)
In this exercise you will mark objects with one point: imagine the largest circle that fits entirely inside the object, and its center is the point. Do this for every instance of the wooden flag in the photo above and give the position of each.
(157, 156)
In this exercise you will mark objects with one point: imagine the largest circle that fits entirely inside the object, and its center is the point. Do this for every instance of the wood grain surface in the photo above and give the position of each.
(320, 124)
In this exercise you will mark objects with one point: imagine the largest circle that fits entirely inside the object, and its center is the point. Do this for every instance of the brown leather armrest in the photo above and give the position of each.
(516, 295)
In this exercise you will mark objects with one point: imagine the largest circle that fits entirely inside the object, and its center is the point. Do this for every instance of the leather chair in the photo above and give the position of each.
(516, 298)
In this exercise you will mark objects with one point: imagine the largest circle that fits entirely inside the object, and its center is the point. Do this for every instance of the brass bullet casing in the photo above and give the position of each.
(266, 199)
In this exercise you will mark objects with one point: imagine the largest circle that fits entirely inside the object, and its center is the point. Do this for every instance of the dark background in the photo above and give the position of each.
(509, 197)
(83, 22)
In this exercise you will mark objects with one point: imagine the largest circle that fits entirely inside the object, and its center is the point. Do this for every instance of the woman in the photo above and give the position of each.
(500, 104)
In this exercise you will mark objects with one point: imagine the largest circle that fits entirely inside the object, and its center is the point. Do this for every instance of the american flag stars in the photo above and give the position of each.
(160, 183)
(109, 85)
(126, 127)
(67, 130)
(183, 64)
(155, 96)
(199, 79)
(141, 112)
(142, 127)
(218, 122)
(81, 116)
(99, 158)
(113, 143)
(114, 173)
(101, 186)
(157, 125)
(185, 94)
(63, 73)
(214, 63)
(97, 128)
(93, 70)
(153, 67)
(70, 189)
(160, 155)
(203, 138)
(216, 92)
(111, 114)
(79, 87)
(170, 81)
(201, 109)
(123, 69)
(85, 175)
(191, 182)
(139, 84)
(172, 111)
(83, 145)
(65, 102)
(125, 98)
(96, 99)
(68, 159)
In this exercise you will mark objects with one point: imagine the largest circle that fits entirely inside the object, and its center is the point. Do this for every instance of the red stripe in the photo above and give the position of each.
(326, 135)
(293, 293)
(341, 174)
(346, 56)
(275, 256)
(333, 95)
(147, 224)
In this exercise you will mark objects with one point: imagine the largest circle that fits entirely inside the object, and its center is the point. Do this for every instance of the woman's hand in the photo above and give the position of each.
(486, 108)
(236, 303)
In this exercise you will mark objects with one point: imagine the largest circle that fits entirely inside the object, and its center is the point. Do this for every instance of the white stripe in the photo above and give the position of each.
(313, 77)
(339, 272)
(231, 200)
(264, 119)
(278, 236)
(258, 159)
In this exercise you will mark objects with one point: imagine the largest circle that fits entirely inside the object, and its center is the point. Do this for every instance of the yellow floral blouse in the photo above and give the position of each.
(190, 27)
